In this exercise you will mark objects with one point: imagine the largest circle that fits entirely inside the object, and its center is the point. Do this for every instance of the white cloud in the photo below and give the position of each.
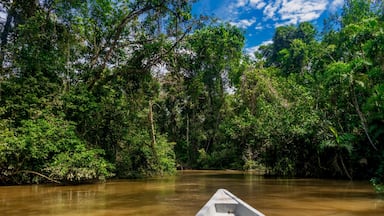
(248, 4)
(335, 5)
(244, 23)
(254, 2)
(241, 3)
(252, 50)
(294, 11)
(271, 9)
(289, 22)
(282, 11)
(309, 16)
(259, 26)
(266, 43)
(258, 4)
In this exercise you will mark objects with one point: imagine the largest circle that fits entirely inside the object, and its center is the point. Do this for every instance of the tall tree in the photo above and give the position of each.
(205, 69)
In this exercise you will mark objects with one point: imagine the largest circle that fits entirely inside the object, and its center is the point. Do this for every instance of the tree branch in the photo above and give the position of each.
(158, 58)
(39, 174)
(362, 118)
(112, 42)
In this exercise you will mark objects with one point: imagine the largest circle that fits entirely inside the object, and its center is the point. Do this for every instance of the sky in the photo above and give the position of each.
(259, 18)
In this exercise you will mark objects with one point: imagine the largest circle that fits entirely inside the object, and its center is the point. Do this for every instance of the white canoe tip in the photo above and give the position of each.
(224, 202)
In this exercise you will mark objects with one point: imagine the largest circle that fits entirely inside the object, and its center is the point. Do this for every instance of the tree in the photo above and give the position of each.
(90, 63)
(48, 148)
(291, 49)
(203, 70)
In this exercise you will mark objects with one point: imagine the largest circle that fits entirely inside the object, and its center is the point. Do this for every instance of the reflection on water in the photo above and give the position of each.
(186, 193)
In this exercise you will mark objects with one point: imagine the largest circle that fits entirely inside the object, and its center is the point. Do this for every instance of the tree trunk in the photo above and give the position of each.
(187, 139)
(363, 120)
(153, 132)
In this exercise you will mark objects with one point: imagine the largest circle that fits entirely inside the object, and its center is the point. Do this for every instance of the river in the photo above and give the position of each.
(187, 192)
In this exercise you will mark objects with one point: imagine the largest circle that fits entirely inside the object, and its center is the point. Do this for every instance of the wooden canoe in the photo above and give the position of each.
(224, 202)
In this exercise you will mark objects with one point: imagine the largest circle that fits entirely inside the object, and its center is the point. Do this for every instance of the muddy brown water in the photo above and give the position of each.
(187, 192)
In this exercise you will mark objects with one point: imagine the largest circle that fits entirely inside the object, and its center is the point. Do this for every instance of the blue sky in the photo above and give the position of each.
(259, 18)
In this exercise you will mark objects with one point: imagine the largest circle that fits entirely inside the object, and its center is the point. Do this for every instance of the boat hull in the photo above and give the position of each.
(224, 202)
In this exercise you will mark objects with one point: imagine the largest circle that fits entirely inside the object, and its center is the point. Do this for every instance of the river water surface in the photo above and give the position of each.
(187, 192)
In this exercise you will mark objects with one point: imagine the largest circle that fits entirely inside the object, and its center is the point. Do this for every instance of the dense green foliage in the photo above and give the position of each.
(77, 91)
(339, 102)
(95, 89)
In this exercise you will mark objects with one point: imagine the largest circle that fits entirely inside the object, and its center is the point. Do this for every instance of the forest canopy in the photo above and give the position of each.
(91, 90)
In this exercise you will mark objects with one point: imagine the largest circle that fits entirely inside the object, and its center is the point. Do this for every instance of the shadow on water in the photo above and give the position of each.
(187, 192)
